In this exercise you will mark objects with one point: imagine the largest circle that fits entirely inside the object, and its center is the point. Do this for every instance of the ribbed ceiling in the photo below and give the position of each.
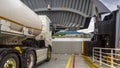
(64, 14)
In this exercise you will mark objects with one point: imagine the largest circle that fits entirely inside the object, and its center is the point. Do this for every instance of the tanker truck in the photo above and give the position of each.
(25, 37)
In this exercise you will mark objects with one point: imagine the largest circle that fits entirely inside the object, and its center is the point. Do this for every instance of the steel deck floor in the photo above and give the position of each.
(60, 61)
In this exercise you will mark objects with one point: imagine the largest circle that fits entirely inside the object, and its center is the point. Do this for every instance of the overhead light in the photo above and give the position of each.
(49, 7)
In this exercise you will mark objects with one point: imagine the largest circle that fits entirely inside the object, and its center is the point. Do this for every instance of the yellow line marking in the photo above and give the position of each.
(82, 47)
(69, 61)
(89, 62)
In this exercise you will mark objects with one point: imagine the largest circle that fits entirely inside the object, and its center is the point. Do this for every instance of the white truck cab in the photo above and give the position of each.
(46, 32)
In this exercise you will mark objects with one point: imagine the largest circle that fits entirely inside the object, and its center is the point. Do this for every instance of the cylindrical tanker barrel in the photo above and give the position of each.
(20, 16)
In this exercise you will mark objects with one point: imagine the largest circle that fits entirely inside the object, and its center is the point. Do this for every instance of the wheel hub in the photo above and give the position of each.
(30, 61)
(49, 54)
(10, 63)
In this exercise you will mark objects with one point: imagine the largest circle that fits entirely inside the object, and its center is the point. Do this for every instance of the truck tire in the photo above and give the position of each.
(31, 59)
(49, 52)
(10, 61)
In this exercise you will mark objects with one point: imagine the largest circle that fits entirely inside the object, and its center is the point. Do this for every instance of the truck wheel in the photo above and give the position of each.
(49, 52)
(10, 61)
(31, 59)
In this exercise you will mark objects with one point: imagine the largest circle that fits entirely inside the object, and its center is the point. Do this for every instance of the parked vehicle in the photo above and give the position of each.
(25, 37)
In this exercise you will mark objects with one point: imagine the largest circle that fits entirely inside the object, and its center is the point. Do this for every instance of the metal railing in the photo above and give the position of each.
(107, 56)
